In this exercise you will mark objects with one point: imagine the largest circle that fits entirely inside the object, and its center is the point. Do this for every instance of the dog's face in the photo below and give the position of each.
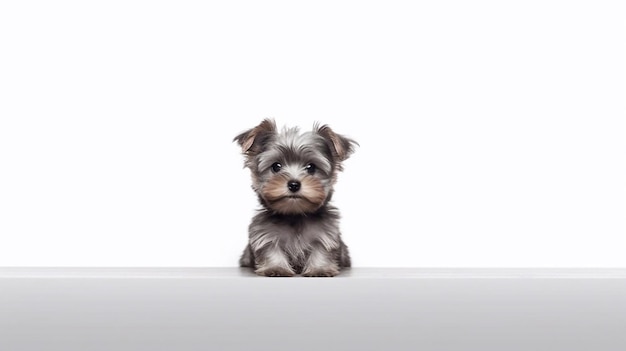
(292, 172)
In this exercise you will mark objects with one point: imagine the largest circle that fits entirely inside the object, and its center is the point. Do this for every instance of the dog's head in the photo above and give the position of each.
(293, 172)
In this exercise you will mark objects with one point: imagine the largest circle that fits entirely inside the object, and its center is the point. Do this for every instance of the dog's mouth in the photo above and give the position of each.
(293, 197)
(295, 203)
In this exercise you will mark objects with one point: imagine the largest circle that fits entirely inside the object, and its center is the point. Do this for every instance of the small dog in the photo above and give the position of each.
(297, 230)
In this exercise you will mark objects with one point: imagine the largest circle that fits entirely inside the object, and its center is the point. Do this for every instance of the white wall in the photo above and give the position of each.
(492, 133)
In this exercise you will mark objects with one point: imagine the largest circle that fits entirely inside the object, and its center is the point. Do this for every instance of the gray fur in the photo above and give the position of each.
(294, 232)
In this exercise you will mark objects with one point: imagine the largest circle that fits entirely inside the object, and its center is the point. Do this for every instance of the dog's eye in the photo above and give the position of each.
(276, 167)
(310, 168)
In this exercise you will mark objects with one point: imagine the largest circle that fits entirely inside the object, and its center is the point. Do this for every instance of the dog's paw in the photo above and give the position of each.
(275, 272)
(321, 272)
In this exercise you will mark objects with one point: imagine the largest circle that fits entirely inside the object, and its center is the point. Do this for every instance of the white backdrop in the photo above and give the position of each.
(492, 133)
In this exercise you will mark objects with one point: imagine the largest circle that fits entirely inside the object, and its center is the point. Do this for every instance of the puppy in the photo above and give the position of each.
(297, 230)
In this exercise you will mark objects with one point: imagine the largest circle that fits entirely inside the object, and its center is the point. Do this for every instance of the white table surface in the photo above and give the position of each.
(183, 309)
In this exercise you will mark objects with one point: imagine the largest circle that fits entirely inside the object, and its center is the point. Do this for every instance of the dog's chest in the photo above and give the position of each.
(298, 237)
(301, 232)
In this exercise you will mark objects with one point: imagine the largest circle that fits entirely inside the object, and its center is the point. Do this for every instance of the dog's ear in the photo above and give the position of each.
(340, 146)
(252, 140)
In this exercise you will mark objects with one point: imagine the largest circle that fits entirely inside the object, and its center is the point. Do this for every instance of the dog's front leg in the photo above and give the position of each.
(321, 263)
(271, 261)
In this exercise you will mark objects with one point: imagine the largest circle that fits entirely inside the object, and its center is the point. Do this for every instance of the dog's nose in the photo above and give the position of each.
(293, 185)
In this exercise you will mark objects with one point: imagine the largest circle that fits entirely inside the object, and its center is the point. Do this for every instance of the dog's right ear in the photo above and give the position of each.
(252, 141)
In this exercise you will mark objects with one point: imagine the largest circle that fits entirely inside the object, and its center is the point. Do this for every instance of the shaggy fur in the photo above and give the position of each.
(293, 173)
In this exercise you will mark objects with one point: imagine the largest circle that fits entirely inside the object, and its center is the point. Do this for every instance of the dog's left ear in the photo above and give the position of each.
(252, 140)
(341, 146)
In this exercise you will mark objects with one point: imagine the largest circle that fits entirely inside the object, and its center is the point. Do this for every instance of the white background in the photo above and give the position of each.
(492, 133)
